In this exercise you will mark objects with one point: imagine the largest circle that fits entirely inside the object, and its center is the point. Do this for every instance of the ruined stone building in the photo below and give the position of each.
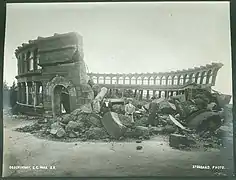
(51, 72)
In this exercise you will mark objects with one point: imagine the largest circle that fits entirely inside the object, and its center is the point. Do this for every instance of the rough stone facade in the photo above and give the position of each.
(48, 66)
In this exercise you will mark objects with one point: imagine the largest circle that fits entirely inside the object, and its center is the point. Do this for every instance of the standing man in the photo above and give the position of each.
(130, 109)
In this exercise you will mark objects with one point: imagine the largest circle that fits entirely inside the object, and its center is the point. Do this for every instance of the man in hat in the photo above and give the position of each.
(130, 109)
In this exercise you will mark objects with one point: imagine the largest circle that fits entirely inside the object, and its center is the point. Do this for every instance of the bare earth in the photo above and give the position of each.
(80, 159)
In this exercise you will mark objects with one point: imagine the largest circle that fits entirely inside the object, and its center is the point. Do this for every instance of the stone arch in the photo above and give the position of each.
(151, 80)
(127, 80)
(197, 78)
(107, 80)
(157, 94)
(151, 94)
(193, 78)
(175, 80)
(163, 80)
(145, 81)
(114, 80)
(133, 80)
(203, 77)
(169, 80)
(181, 80)
(209, 77)
(186, 79)
(162, 93)
(158, 80)
(139, 80)
(121, 80)
(55, 87)
(144, 93)
(101, 80)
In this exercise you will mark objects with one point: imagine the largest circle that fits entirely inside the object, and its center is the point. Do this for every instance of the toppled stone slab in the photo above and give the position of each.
(113, 124)
(207, 120)
(176, 140)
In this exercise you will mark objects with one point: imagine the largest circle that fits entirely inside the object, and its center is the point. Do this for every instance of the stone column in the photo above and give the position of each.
(154, 93)
(140, 95)
(166, 94)
(18, 92)
(97, 80)
(27, 92)
(159, 95)
(35, 93)
(135, 92)
(201, 77)
(147, 94)
(104, 80)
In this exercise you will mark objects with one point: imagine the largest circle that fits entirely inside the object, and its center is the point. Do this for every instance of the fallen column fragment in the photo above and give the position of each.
(96, 102)
(113, 124)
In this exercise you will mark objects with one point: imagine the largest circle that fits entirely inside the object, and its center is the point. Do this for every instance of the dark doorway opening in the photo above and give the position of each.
(61, 100)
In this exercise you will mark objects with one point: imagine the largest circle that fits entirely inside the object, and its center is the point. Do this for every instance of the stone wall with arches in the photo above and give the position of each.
(164, 82)
(200, 75)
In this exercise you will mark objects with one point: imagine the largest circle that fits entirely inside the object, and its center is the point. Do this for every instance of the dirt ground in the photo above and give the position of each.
(80, 159)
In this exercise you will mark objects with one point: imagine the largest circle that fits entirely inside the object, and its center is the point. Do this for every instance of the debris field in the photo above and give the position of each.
(202, 119)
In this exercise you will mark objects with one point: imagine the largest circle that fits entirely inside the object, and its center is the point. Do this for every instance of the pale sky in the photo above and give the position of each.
(130, 37)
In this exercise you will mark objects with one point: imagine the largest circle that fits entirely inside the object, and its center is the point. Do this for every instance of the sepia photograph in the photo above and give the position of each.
(117, 90)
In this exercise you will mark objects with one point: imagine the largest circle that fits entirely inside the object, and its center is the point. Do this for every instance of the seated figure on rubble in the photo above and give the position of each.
(130, 109)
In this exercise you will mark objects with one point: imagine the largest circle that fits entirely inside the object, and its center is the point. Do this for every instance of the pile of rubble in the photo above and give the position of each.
(186, 120)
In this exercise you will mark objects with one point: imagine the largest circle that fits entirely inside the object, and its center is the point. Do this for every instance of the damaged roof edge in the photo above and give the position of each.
(208, 66)
(56, 35)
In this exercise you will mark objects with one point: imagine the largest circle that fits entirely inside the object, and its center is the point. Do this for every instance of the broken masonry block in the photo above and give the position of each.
(113, 124)
(175, 140)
